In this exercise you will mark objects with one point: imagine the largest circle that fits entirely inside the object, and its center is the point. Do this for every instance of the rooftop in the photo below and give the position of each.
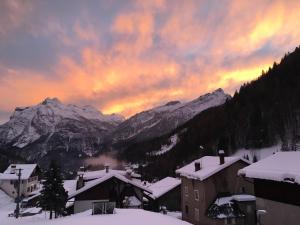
(163, 186)
(281, 166)
(10, 173)
(90, 175)
(209, 166)
(104, 178)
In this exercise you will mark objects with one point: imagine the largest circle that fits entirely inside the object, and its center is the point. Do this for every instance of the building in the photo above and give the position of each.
(29, 179)
(86, 176)
(277, 187)
(212, 193)
(166, 193)
(109, 191)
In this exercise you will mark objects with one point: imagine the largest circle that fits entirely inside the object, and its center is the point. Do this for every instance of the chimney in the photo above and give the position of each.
(222, 157)
(106, 166)
(80, 182)
(13, 168)
(197, 166)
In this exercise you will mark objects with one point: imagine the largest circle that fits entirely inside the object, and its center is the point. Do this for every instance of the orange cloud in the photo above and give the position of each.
(157, 51)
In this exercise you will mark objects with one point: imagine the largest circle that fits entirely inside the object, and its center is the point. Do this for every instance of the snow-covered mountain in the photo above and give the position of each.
(52, 129)
(51, 125)
(163, 119)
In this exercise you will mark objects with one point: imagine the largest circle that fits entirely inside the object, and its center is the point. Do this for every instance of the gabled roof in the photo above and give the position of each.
(209, 166)
(282, 166)
(106, 177)
(27, 170)
(163, 186)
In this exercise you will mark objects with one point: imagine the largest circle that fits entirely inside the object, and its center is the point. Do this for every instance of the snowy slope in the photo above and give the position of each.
(7, 205)
(52, 124)
(163, 119)
(121, 217)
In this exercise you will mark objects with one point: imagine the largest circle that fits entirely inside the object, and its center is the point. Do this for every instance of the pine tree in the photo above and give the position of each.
(53, 195)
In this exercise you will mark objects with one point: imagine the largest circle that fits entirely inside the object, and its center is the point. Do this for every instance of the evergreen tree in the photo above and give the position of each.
(53, 195)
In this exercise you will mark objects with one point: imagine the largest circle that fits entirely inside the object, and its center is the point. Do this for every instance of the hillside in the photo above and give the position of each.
(262, 113)
(163, 119)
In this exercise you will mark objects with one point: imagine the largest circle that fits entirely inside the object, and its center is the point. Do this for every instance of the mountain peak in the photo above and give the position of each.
(51, 101)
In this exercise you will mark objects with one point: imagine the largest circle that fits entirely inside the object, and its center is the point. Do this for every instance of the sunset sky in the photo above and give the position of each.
(125, 56)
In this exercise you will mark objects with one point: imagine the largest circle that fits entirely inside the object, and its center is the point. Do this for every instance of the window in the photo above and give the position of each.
(196, 194)
(103, 207)
(186, 190)
(11, 182)
(197, 216)
(186, 209)
(28, 189)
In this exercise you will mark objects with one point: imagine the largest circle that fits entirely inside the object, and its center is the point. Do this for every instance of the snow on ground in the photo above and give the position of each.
(121, 217)
(259, 153)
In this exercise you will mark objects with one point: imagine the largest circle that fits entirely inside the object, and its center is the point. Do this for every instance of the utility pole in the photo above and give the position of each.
(17, 211)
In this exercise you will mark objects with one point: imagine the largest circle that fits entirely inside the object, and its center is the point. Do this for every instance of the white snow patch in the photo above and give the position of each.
(163, 186)
(209, 166)
(165, 148)
(121, 217)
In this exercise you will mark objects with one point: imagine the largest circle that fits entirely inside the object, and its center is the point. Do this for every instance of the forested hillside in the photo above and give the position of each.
(262, 113)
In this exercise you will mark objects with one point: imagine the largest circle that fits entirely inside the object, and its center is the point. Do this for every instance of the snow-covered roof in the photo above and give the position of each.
(106, 177)
(163, 186)
(282, 166)
(90, 175)
(209, 166)
(70, 186)
(10, 174)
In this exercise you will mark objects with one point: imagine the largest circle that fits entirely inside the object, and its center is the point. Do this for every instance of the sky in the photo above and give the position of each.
(125, 56)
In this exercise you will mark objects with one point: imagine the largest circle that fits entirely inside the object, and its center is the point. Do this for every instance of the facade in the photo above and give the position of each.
(166, 194)
(277, 187)
(29, 179)
(206, 182)
(110, 189)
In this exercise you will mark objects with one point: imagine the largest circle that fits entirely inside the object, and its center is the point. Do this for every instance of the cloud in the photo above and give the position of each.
(125, 58)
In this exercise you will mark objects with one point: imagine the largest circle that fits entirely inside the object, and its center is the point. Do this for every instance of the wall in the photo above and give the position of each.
(278, 213)
(11, 190)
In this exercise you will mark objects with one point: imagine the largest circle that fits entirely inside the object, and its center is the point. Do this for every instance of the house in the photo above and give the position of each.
(165, 193)
(33, 200)
(277, 187)
(212, 193)
(29, 179)
(86, 176)
(109, 191)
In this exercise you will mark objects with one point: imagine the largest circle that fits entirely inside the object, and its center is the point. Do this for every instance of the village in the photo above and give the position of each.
(211, 190)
